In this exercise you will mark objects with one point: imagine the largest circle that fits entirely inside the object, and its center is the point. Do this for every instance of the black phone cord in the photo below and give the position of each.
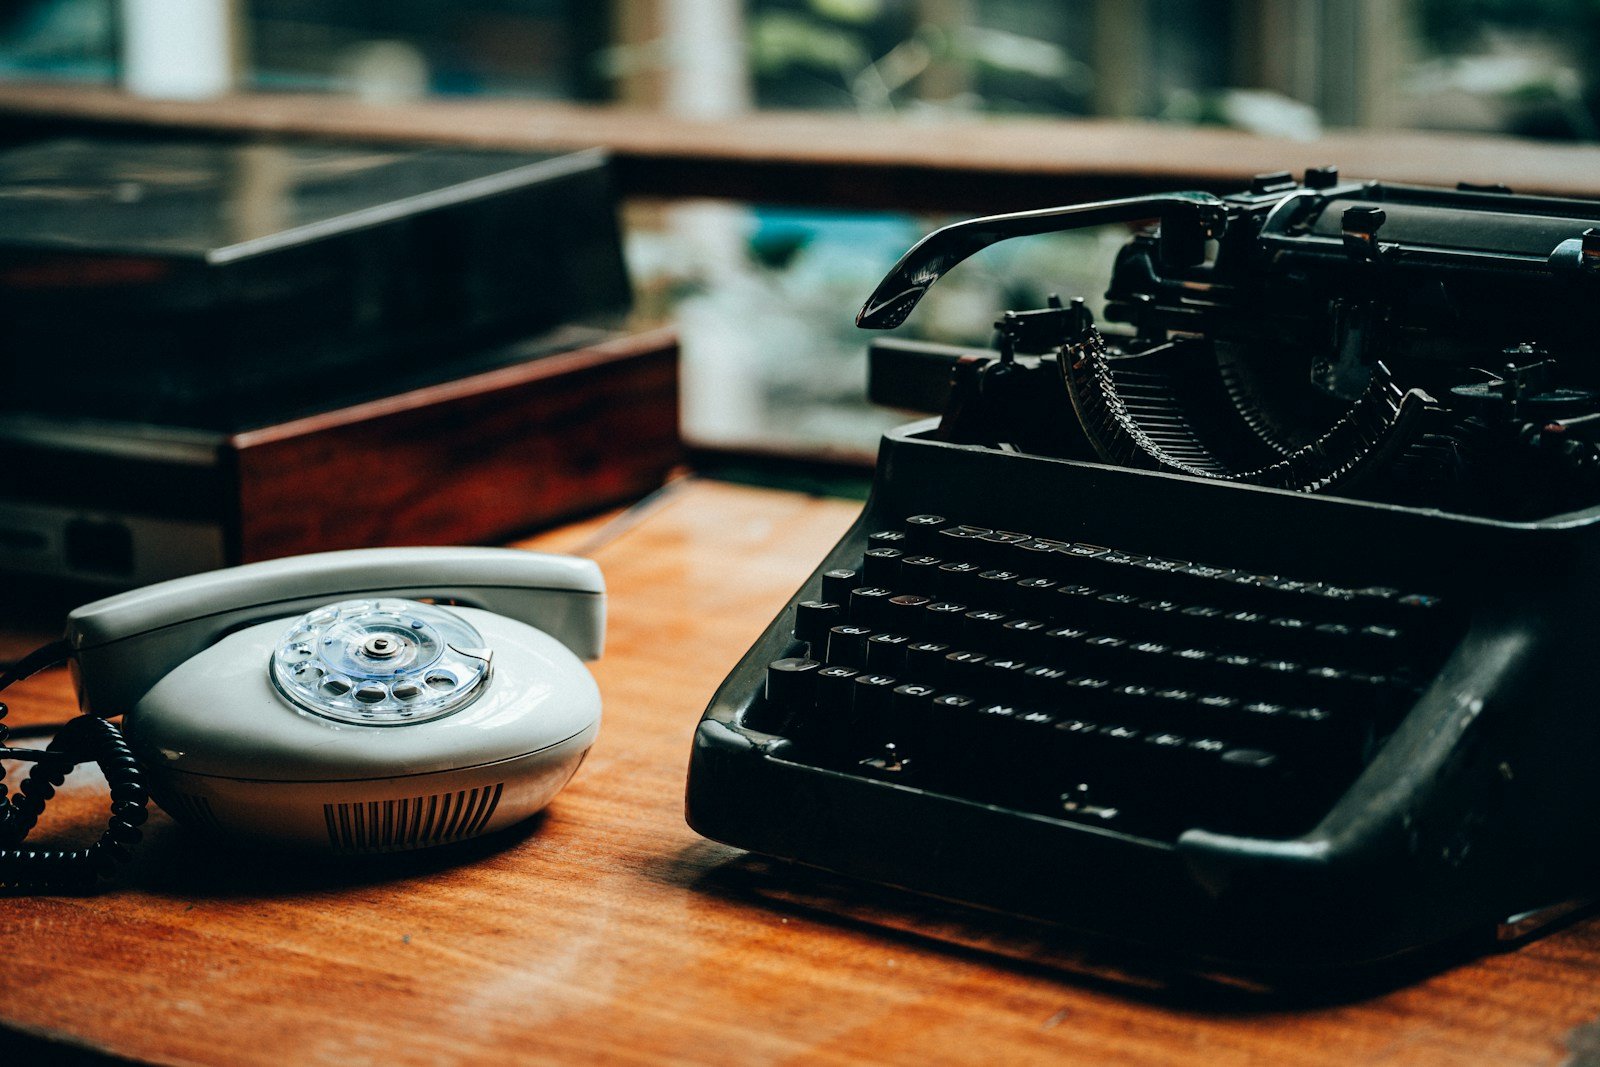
(85, 739)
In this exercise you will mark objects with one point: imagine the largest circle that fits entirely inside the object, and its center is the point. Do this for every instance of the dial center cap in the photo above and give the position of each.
(381, 646)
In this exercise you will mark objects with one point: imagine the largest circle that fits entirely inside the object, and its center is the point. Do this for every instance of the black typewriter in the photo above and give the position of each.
(1256, 629)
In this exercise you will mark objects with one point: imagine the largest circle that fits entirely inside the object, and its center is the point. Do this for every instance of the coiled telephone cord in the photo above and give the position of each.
(85, 739)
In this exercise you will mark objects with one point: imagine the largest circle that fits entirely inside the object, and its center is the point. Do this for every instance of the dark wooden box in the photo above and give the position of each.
(479, 459)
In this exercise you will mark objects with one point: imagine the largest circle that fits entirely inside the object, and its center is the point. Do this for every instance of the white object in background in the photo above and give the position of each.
(707, 74)
(384, 72)
(177, 49)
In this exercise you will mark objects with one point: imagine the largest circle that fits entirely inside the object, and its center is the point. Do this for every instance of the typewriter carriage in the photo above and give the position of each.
(1419, 346)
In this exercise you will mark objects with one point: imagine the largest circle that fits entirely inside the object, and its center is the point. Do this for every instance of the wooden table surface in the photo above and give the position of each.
(610, 932)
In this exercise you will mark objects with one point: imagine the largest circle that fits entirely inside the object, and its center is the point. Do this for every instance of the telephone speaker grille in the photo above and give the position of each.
(411, 822)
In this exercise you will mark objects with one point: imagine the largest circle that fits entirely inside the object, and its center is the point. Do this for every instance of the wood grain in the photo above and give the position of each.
(476, 459)
(971, 164)
(608, 932)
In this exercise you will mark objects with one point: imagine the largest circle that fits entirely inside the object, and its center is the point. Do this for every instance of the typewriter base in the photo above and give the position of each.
(1475, 810)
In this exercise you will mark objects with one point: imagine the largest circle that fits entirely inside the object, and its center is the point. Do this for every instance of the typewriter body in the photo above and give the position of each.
(1254, 628)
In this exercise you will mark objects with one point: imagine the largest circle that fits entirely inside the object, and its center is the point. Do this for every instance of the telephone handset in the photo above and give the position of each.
(124, 643)
(371, 700)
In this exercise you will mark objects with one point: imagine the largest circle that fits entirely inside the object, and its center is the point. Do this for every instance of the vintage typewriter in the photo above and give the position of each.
(1257, 630)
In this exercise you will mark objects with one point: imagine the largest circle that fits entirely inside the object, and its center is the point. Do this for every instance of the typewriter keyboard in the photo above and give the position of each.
(1076, 681)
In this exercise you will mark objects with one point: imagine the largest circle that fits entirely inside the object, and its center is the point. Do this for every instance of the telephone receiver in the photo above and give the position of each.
(364, 701)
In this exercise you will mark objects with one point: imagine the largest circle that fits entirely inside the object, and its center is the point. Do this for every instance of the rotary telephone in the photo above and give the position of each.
(355, 702)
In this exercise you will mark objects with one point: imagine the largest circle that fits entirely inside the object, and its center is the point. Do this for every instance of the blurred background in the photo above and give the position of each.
(764, 295)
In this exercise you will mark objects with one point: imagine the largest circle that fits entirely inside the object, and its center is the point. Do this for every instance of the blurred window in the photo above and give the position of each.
(1527, 67)
(765, 297)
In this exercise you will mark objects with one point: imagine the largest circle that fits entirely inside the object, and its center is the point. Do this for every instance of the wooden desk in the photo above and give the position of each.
(611, 932)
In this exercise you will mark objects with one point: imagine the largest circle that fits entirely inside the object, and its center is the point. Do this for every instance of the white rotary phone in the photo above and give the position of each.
(317, 703)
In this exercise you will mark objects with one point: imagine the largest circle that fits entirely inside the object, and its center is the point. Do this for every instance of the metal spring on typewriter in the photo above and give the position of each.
(1135, 416)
